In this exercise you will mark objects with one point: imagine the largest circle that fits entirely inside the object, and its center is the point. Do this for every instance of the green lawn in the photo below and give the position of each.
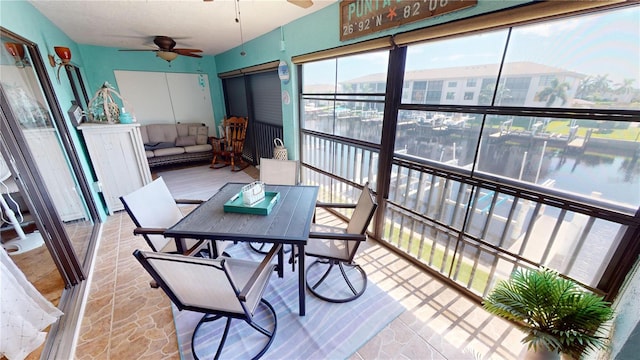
(480, 279)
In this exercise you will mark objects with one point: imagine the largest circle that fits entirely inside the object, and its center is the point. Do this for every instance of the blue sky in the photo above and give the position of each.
(595, 44)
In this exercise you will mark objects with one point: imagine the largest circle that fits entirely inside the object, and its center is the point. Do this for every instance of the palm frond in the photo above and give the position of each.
(556, 313)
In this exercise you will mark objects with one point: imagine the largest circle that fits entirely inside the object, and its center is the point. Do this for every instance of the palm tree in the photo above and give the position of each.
(625, 87)
(486, 94)
(585, 89)
(601, 84)
(556, 90)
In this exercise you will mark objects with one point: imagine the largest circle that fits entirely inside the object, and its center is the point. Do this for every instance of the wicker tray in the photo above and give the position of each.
(264, 207)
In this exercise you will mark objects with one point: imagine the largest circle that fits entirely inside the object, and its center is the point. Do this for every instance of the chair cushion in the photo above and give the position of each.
(197, 148)
(169, 151)
(335, 249)
(185, 140)
(328, 248)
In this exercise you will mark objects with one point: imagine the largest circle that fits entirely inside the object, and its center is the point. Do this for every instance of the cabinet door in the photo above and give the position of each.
(117, 155)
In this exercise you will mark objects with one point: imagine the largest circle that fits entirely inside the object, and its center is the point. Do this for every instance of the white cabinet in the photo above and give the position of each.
(118, 158)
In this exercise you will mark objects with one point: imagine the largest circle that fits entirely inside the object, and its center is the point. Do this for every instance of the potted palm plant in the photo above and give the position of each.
(557, 315)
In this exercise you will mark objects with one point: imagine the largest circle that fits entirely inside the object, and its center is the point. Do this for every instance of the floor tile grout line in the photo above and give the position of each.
(115, 286)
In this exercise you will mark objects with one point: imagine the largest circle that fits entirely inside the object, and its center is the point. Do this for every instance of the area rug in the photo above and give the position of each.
(327, 331)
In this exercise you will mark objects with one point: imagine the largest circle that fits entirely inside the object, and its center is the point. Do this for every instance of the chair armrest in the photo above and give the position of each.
(348, 237)
(266, 262)
(335, 205)
(149, 231)
(189, 201)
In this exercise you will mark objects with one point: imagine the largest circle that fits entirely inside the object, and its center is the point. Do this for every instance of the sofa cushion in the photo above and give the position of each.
(169, 151)
(162, 133)
(197, 148)
(183, 129)
(200, 132)
(186, 141)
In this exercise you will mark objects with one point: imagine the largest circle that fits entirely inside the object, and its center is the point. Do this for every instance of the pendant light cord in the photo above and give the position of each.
(239, 21)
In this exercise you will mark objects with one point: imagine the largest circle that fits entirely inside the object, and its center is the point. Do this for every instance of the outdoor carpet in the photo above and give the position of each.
(327, 331)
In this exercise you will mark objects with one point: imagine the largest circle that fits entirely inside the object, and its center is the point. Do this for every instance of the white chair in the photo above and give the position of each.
(279, 172)
(336, 247)
(153, 209)
(276, 172)
(219, 288)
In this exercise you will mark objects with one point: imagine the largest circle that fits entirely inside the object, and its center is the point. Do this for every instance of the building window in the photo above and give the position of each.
(452, 84)
(451, 95)
(468, 95)
(471, 82)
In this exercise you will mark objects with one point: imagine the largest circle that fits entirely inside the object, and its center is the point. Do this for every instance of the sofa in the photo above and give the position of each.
(166, 144)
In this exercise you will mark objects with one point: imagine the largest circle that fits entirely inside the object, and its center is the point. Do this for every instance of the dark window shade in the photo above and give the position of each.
(260, 101)
(266, 98)
(236, 96)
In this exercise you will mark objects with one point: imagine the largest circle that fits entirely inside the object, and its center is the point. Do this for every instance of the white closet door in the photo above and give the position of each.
(167, 98)
(148, 92)
(191, 98)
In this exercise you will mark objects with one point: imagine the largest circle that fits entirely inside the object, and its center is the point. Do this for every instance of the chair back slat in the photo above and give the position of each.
(278, 172)
(361, 217)
(235, 133)
(363, 212)
(153, 206)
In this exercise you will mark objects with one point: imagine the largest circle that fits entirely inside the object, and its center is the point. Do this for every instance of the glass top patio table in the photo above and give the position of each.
(288, 223)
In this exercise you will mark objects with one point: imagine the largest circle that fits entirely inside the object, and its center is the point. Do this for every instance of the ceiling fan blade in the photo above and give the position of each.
(190, 54)
(137, 50)
(182, 50)
(302, 3)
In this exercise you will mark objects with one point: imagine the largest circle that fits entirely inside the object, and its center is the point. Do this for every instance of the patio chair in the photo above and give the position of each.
(153, 209)
(276, 172)
(227, 150)
(335, 248)
(218, 288)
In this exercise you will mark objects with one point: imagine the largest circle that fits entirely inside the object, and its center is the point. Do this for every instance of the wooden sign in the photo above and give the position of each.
(363, 17)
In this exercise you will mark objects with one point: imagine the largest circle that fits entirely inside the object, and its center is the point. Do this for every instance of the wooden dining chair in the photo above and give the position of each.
(227, 149)
(222, 288)
(335, 248)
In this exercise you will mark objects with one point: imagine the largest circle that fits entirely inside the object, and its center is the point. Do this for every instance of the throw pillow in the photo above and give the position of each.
(202, 135)
(186, 141)
(200, 132)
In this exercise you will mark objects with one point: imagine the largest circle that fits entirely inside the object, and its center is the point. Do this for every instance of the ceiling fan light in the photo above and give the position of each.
(167, 55)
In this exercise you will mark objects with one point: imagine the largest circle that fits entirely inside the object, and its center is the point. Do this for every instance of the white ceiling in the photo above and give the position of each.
(209, 26)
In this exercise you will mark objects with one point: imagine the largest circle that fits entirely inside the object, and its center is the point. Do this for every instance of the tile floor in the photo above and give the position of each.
(126, 319)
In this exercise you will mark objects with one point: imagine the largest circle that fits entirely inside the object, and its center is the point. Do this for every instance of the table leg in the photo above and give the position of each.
(302, 280)
(180, 245)
(280, 261)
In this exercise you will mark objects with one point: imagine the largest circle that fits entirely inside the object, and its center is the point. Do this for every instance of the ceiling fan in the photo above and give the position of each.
(302, 3)
(167, 50)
